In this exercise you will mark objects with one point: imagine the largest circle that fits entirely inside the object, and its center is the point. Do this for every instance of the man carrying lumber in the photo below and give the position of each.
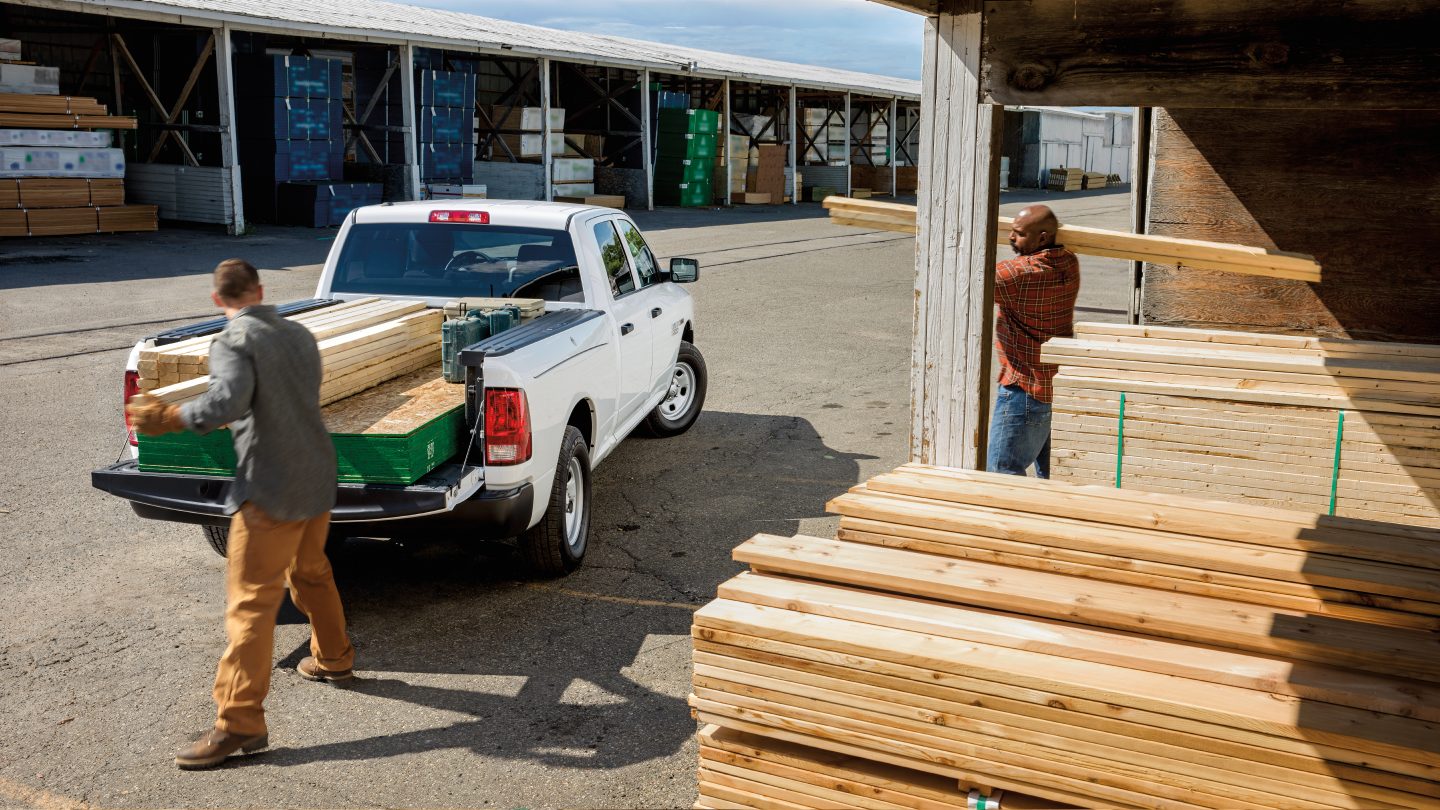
(1034, 301)
(265, 375)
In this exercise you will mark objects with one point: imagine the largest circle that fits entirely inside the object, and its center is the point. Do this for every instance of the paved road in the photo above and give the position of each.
(479, 688)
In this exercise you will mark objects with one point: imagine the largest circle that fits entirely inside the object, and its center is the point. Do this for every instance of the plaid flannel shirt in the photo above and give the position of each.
(1034, 301)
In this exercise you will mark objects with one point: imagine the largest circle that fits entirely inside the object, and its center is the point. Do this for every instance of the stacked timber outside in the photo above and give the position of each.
(1082, 645)
(1338, 426)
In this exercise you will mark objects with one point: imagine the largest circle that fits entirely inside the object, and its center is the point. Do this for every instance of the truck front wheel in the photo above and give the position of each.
(685, 397)
(556, 545)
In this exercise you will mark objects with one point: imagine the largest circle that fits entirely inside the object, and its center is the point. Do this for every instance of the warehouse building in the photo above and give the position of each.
(1038, 139)
(273, 112)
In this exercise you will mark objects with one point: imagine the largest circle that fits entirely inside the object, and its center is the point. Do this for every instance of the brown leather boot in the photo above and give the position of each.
(311, 670)
(212, 749)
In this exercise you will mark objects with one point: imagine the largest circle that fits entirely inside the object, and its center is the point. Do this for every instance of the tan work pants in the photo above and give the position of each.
(263, 554)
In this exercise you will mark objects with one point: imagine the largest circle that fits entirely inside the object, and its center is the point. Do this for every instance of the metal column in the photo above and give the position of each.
(725, 133)
(891, 144)
(794, 143)
(849, 148)
(645, 140)
(545, 127)
(229, 156)
(407, 119)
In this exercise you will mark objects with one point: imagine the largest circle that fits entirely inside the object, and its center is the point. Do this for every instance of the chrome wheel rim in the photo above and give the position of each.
(574, 506)
(681, 394)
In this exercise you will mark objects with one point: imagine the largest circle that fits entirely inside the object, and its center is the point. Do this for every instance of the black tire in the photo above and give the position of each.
(218, 537)
(548, 548)
(690, 374)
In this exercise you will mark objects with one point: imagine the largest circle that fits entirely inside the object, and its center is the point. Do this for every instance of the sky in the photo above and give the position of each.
(847, 34)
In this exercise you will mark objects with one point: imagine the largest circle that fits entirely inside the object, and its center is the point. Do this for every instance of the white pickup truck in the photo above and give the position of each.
(546, 401)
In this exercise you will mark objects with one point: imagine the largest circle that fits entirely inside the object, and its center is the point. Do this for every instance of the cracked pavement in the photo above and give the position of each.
(478, 688)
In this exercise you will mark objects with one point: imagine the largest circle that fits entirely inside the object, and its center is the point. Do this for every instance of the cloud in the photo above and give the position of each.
(844, 34)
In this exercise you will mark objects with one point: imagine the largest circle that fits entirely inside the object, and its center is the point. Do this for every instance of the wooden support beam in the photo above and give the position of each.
(955, 249)
(174, 113)
(1308, 54)
(547, 159)
(155, 101)
(794, 144)
(229, 145)
(646, 140)
(407, 119)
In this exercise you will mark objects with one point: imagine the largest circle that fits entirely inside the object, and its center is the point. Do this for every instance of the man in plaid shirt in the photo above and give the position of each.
(1034, 301)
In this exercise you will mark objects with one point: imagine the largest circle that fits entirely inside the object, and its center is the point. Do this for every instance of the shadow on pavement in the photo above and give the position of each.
(667, 514)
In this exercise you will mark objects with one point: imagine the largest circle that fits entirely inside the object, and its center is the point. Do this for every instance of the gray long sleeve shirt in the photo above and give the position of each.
(265, 375)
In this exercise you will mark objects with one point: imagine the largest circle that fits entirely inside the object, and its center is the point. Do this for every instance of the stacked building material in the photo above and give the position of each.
(522, 131)
(291, 130)
(685, 160)
(1066, 179)
(446, 122)
(1094, 180)
(573, 178)
(1340, 426)
(393, 433)
(360, 341)
(827, 142)
(58, 175)
(1087, 646)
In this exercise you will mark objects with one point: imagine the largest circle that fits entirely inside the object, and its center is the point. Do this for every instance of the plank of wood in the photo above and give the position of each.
(1074, 350)
(1400, 738)
(1299, 753)
(1280, 528)
(1233, 340)
(1200, 619)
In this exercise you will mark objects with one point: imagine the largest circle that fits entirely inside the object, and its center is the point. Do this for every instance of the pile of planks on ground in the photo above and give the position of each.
(1329, 425)
(1080, 644)
(1162, 250)
(363, 343)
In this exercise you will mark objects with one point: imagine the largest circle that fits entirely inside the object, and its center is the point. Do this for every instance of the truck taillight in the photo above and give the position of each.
(507, 427)
(132, 387)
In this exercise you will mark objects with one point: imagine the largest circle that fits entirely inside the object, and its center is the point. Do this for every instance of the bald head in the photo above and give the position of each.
(1034, 229)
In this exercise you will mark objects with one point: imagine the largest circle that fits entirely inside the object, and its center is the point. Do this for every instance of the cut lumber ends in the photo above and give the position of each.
(1115, 244)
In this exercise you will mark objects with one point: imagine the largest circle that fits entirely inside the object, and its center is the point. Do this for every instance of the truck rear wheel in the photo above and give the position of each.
(682, 403)
(556, 545)
(218, 537)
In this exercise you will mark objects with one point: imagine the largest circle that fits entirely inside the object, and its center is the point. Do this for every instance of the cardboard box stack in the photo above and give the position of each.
(59, 175)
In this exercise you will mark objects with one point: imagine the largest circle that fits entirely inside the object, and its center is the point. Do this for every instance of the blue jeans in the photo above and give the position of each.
(1019, 434)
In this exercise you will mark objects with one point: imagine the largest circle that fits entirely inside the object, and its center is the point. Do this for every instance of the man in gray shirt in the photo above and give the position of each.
(265, 375)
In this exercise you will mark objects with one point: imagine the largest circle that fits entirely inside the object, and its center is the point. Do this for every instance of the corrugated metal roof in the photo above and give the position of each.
(376, 20)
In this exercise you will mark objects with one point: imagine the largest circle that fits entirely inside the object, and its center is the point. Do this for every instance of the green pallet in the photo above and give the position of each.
(682, 121)
(360, 458)
(684, 171)
(673, 146)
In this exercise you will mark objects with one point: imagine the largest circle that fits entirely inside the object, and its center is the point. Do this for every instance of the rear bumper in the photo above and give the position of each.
(371, 510)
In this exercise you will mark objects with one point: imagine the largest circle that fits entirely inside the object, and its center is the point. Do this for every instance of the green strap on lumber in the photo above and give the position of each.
(1335, 471)
(1120, 441)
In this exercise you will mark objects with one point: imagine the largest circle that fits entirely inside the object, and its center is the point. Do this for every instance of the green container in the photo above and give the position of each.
(690, 195)
(360, 458)
(693, 121)
(692, 146)
(681, 170)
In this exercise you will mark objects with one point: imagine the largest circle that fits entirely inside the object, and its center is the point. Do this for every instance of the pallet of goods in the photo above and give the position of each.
(685, 156)
(376, 440)
(1164, 250)
(1073, 645)
(1066, 180)
(1339, 426)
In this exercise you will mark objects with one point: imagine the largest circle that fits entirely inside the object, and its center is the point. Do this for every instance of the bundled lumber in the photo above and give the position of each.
(355, 359)
(1346, 427)
(1066, 179)
(50, 105)
(1078, 644)
(1163, 250)
(66, 121)
(1095, 180)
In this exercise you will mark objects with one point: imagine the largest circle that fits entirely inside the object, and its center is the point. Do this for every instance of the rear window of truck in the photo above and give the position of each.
(444, 260)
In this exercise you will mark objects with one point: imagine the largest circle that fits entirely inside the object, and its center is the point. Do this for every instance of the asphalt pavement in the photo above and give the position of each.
(478, 687)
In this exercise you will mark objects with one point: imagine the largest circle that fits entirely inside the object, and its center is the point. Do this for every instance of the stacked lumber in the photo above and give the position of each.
(1066, 179)
(1083, 645)
(1340, 426)
(362, 344)
(56, 180)
(1095, 180)
(1161, 250)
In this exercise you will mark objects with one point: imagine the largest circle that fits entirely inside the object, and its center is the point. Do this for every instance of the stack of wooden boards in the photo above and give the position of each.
(1084, 645)
(1094, 180)
(1162, 250)
(393, 433)
(1064, 179)
(1281, 420)
(58, 178)
(363, 343)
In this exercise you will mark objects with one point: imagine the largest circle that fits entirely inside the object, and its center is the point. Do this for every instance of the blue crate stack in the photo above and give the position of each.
(445, 125)
(290, 125)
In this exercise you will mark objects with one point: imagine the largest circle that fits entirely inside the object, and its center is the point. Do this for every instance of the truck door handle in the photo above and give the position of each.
(655, 313)
(627, 328)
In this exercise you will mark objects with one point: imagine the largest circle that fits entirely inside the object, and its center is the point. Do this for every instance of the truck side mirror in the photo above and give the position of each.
(684, 271)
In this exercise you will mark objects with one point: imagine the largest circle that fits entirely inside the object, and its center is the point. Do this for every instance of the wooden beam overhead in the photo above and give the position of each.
(1303, 54)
